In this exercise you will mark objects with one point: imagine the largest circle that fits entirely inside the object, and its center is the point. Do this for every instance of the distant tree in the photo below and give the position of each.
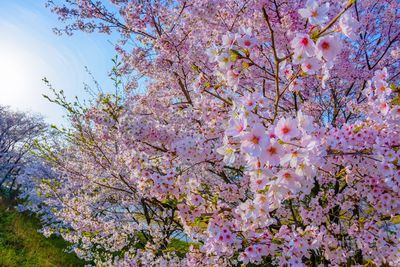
(18, 132)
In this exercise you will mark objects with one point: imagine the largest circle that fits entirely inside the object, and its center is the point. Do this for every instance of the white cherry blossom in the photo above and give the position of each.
(315, 13)
(328, 47)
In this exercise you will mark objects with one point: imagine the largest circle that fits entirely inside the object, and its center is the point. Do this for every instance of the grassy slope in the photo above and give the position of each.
(22, 246)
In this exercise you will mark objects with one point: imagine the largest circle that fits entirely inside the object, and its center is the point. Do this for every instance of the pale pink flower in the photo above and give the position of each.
(248, 209)
(289, 179)
(245, 31)
(380, 75)
(253, 162)
(386, 168)
(290, 159)
(261, 200)
(305, 170)
(237, 126)
(308, 143)
(253, 141)
(232, 77)
(261, 100)
(287, 71)
(249, 101)
(311, 65)
(305, 122)
(258, 182)
(395, 112)
(298, 58)
(212, 53)
(302, 44)
(328, 47)
(314, 13)
(247, 41)
(326, 73)
(349, 26)
(395, 53)
(243, 257)
(276, 194)
(228, 40)
(384, 108)
(227, 151)
(197, 200)
(296, 85)
(263, 204)
(382, 88)
(271, 153)
(286, 129)
(224, 61)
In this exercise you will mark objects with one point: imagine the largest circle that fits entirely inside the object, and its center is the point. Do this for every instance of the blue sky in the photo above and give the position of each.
(29, 51)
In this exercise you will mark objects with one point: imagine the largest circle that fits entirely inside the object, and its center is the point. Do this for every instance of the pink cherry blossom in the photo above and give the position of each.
(305, 122)
(237, 126)
(197, 200)
(328, 47)
(302, 44)
(230, 39)
(271, 153)
(228, 151)
(311, 66)
(259, 180)
(289, 180)
(246, 40)
(314, 12)
(395, 53)
(296, 85)
(254, 140)
(349, 26)
(299, 58)
(286, 129)
(290, 159)
(380, 75)
(225, 142)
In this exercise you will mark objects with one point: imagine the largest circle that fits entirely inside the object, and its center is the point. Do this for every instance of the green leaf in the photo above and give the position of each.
(396, 101)
(277, 241)
(172, 202)
(201, 222)
(234, 54)
(314, 35)
(395, 219)
(195, 68)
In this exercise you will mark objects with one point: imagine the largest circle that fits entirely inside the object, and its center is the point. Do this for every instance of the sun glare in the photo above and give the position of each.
(19, 70)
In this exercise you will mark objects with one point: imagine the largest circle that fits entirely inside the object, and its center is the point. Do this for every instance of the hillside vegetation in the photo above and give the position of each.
(22, 246)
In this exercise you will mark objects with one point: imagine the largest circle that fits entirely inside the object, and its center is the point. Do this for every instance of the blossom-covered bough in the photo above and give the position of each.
(268, 133)
(18, 132)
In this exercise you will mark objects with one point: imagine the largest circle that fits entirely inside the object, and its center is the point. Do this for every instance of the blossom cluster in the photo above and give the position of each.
(267, 134)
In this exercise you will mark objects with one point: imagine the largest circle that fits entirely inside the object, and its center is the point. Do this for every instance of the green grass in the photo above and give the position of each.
(22, 246)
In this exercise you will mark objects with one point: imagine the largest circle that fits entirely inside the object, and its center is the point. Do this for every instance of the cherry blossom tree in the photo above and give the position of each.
(267, 134)
(18, 132)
